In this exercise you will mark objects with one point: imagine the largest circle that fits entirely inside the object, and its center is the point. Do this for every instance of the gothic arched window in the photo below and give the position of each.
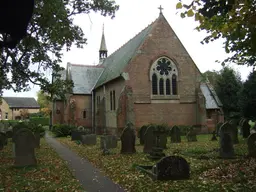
(154, 84)
(164, 77)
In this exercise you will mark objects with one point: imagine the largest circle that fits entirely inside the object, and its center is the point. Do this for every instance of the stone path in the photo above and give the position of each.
(90, 177)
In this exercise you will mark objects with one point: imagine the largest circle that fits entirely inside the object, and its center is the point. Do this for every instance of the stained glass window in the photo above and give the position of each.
(168, 87)
(174, 84)
(154, 84)
(161, 87)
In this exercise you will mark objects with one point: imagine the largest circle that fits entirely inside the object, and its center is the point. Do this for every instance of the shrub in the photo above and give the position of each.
(62, 130)
(40, 120)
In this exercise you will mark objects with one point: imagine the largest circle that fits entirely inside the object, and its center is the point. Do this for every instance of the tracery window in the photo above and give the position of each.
(164, 77)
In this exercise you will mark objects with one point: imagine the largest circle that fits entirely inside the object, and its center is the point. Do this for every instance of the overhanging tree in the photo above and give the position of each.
(50, 31)
(232, 20)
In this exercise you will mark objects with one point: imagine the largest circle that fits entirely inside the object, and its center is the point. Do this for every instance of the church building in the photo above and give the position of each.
(150, 79)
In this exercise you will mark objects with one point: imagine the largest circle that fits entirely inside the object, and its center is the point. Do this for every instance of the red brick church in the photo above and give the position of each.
(150, 79)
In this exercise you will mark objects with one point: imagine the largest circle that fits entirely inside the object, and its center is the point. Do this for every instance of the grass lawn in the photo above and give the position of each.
(208, 172)
(51, 173)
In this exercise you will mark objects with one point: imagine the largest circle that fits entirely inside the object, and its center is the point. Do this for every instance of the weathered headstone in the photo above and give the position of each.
(218, 128)
(172, 168)
(76, 135)
(89, 139)
(231, 130)
(162, 134)
(246, 129)
(128, 139)
(175, 134)
(214, 138)
(251, 142)
(109, 140)
(3, 140)
(191, 135)
(24, 148)
(150, 139)
(226, 146)
(142, 133)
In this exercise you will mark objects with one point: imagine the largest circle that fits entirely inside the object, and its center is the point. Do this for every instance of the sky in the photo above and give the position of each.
(132, 17)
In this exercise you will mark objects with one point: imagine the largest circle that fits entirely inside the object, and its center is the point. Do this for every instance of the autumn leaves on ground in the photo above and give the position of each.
(208, 172)
(50, 174)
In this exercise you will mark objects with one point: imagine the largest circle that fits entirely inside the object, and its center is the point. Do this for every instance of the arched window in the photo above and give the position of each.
(164, 77)
(168, 87)
(174, 84)
(161, 86)
(154, 84)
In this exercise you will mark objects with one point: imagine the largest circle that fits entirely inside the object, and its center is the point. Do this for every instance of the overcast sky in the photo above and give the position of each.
(132, 17)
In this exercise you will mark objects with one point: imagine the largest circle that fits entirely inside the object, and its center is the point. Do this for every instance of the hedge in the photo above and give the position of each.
(40, 120)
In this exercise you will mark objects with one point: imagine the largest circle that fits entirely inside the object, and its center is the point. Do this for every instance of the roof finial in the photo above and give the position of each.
(160, 8)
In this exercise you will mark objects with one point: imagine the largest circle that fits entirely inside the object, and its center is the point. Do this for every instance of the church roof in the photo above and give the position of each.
(211, 99)
(115, 63)
(84, 77)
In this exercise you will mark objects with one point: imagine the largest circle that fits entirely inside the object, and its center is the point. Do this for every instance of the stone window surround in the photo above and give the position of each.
(164, 77)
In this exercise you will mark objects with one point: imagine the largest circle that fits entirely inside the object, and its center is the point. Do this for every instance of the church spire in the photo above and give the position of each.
(103, 52)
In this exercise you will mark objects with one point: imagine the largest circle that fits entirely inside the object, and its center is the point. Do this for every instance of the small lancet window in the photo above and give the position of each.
(168, 87)
(161, 86)
(174, 84)
(154, 84)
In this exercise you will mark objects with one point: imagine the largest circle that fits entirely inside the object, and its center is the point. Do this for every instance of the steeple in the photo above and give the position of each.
(103, 52)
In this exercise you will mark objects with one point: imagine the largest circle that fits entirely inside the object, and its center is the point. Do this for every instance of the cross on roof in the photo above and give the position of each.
(160, 8)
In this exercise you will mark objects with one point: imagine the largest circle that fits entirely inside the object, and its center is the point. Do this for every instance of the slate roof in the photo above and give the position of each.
(115, 63)
(84, 77)
(211, 99)
(21, 102)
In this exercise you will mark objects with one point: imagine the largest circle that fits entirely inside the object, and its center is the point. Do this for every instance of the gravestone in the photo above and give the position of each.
(175, 134)
(161, 132)
(109, 140)
(231, 130)
(128, 139)
(218, 128)
(226, 146)
(150, 139)
(3, 140)
(89, 139)
(76, 135)
(214, 138)
(24, 148)
(9, 134)
(251, 142)
(246, 129)
(191, 135)
(142, 133)
(37, 139)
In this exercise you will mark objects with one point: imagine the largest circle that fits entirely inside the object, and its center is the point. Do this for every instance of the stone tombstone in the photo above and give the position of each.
(231, 130)
(142, 134)
(109, 141)
(3, 140)
(191, 135)
(175, 134)
(161, 133)
(89, 139)
(172, 168)
(149, 139)
(24, 148)
(251, 142)
(233, 123)
(128, 139)
(214, 138)
(76, 135)
(226, 146)
(218, 128)
(246, 129)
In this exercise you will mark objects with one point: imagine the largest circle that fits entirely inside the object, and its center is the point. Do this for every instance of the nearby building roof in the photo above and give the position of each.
(21, 102)
(211, 99)
(115, 63)
(84, 77)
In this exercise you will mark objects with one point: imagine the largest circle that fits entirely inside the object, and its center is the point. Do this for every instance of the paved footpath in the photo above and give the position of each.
(90, 177)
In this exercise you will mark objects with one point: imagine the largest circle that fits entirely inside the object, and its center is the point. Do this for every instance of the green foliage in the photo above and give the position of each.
(248, 97)
(35, 128)
(232, 20)
(43, 99)
(228, 87)
(50, 31)
(62, 130)
(40, 120)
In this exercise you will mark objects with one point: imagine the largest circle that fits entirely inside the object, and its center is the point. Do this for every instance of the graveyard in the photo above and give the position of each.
(124, 163)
